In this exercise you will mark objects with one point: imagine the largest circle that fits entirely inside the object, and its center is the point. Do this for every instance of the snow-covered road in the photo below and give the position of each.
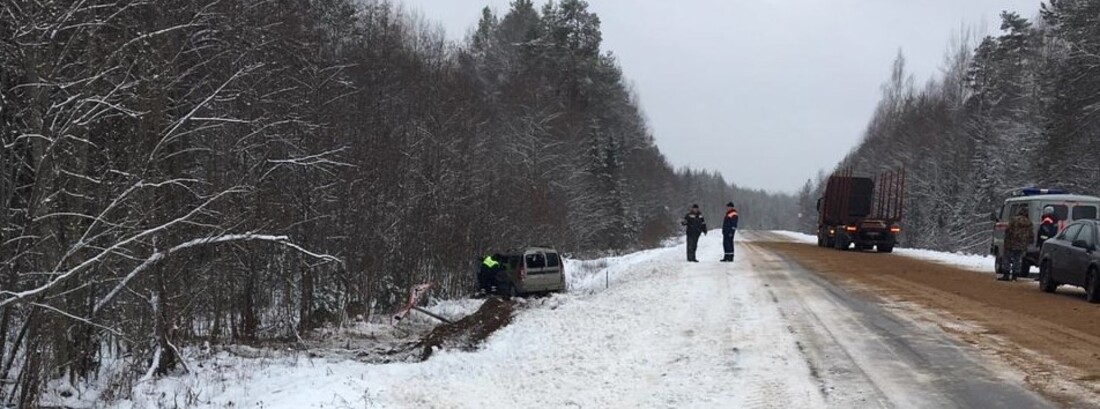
(757, 333)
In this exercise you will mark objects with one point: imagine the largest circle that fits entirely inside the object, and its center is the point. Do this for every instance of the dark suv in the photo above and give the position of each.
(1071, 258)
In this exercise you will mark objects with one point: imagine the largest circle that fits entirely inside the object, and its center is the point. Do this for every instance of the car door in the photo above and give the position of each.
(1060, 259)
(555, 279)
(535, 261)
(1079, 262)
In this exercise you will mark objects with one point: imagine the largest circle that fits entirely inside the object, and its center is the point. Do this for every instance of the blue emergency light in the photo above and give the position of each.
(1034, 191)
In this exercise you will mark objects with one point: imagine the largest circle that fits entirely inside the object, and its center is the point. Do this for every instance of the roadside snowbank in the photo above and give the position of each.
(342, 370)
(666, 333)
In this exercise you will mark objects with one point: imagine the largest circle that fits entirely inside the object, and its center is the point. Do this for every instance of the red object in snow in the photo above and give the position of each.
(415, 293)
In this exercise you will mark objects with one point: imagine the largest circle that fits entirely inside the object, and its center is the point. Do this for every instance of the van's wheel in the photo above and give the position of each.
(841, 242)
(1092, 286)
(1025, 269)
(886, 249)
(999, 268)
(1046, 281)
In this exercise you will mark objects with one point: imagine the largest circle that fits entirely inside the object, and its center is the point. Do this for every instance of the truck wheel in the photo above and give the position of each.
(841, 242)
(1046, 281)
(886, 249)
(1092, 286)
(1025, 269)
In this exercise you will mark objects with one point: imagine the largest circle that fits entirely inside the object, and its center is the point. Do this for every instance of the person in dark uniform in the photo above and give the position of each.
(487, 275)
(695, 225)
(729, 229)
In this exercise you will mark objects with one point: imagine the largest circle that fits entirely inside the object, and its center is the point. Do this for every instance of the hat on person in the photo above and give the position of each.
(1048, 210)
(730, 204)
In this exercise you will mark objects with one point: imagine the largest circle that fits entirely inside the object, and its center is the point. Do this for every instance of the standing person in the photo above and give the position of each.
(1019, 235)
(487, 275)
(695, 226)
(1048, 228)
(729, 229)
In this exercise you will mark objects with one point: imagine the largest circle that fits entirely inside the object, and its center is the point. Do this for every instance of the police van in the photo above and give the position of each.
(1067, 207)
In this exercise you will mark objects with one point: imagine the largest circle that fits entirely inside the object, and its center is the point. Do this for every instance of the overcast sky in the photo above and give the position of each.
(767, 92)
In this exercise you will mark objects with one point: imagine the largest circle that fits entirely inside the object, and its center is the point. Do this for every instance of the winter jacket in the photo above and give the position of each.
(729, 224)
(1020, 234)
(1048, 228)
(694, 223)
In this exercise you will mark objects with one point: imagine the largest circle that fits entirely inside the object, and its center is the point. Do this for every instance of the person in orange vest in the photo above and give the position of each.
(729, 229)
(1049, 226)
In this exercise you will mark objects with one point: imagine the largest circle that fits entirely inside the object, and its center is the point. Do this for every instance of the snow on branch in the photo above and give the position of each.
(318, 159)
(170, 133)
(14, 296)
(160, 255)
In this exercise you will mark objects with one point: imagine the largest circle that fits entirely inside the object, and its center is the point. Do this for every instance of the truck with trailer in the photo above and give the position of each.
(861, 212)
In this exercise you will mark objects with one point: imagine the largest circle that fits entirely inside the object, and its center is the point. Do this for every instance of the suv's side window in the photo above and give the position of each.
(1014, 210)
(536, 260)
(1061, 211)
(1086, 234)
(1009, 211)
(552, 260)
(1070, 234)
(1083, 212)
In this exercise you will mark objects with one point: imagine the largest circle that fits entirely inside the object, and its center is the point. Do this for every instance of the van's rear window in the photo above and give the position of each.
(551, 259)
(1084, 212)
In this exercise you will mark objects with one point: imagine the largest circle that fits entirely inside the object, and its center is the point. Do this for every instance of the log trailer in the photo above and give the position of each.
(853, 213)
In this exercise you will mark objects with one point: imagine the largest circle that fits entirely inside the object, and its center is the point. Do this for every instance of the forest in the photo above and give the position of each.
(1012, 110)
(180, 172)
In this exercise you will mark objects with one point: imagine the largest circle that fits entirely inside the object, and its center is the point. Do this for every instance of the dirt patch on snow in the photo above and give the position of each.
(467, 333)
(414, 339)
(1054, 339)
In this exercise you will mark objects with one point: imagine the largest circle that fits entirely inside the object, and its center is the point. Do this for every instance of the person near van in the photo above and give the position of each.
(1019, 234)
(729, 229)
(695, 225)
(487, 274)
(1048, 228)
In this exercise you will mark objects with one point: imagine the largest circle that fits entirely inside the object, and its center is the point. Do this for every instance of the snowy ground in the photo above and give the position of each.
(643, 330)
